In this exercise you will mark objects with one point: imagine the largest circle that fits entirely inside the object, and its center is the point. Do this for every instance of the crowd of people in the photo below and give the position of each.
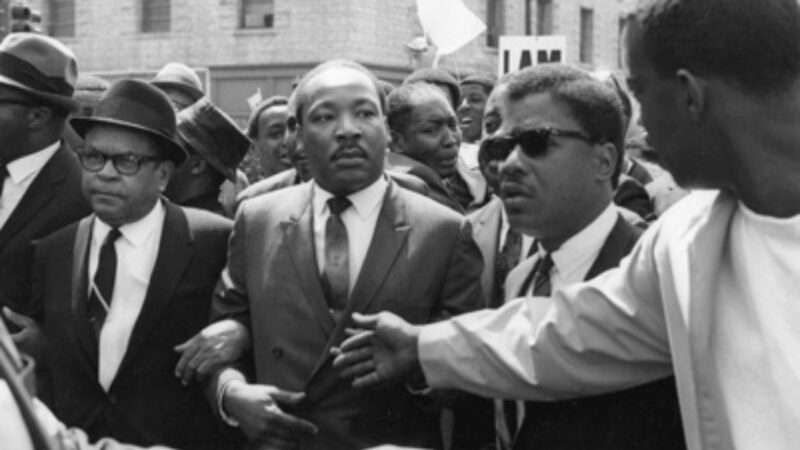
(453, 262)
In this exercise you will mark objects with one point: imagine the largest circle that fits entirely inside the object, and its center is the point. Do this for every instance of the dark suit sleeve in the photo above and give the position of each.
(461, 291)
(230, 296)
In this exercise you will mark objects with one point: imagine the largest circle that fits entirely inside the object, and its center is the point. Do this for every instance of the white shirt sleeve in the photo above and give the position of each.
(603, 335)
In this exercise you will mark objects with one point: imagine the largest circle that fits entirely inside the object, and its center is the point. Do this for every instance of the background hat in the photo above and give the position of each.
(214, 136)
(180, 76)
(136, 105)
(41, 66)
(440, 77)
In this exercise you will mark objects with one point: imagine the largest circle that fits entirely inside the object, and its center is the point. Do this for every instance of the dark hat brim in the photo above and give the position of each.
(194, 93)
(66, 103)
(174, 149)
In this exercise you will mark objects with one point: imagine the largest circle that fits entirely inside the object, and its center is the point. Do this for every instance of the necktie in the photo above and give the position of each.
(103, 284)
(539, 278)
(506, 260)
(336, 276)
(3, 175)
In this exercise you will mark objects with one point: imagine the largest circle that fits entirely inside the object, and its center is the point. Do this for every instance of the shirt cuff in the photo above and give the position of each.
(432, 343)
(226, 379)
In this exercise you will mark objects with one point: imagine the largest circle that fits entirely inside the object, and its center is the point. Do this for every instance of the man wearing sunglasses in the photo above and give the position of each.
(710, 291)
(39, 174)
(121, 287)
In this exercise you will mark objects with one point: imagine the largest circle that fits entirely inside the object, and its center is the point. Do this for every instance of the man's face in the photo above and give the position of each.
(119, 199)
(432, 135)
(343, 130)
(544, 195)
(297, 153)
(179, 99)
(492, 120)
(686, 153)
(470, 112)
(270, 141)
(14, 108)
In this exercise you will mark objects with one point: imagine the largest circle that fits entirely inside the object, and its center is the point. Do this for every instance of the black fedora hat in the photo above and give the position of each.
(136, 105)
(41, 66)
(214, 136)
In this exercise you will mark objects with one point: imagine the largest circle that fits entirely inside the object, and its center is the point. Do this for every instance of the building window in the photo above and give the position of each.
(587, 36)
(257, 14)
(544, 17)
(623, 23)
(62, 17)
(155, 16)
(495, 25)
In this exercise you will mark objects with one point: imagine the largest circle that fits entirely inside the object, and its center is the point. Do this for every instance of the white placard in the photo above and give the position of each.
(517, 52)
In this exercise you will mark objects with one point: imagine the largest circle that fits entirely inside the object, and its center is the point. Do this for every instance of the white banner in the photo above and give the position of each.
(517, 52)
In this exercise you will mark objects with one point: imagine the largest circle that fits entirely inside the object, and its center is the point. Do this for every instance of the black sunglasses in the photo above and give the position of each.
(533, 143)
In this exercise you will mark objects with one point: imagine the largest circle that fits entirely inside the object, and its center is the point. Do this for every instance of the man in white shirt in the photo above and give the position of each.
(123, 286)
(710, 291)
(303, 258)
(39, 174)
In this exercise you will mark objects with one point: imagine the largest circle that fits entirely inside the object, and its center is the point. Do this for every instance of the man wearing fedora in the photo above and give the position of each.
(215, 146)
(180, 83)
(39, 174)
(120, 288)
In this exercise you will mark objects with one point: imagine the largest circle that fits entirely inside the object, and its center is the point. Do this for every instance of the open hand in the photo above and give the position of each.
(383, 350)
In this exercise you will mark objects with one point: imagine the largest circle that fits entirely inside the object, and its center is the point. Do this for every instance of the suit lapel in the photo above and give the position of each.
(298, 241)
(79, 294)
(174, 253)
(36, 197)
(619, 243)
(391, 233)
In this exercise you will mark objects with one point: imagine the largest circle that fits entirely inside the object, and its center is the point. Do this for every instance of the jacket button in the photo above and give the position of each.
(277, 352)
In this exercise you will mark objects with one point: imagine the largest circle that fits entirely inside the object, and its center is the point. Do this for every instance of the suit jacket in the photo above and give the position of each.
(145, 403)
(53, 200)
(643, 417)
(632, 195)
(421, 264)
(43, 429)
(397, 162)
(486, 227)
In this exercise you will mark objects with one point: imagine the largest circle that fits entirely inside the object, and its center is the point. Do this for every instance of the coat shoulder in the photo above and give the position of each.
(202, 220)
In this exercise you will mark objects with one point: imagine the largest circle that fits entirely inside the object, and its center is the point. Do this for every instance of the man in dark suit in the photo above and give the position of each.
(39, 175)
(299, 266)
(215, 146)
(119, 289)
(560, 140)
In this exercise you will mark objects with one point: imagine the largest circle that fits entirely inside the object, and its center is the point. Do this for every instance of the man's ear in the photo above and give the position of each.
(39, 117)
(396, 142)
(165, 170)
(606, 160)
(693, 93)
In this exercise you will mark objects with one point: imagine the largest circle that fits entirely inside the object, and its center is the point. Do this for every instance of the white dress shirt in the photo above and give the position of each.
(137, 250)
(572, 260)
(21, 173)
(359, 221)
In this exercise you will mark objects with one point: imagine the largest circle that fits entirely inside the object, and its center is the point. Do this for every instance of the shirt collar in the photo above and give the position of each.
(22, 168)
(364, 201)
(135, 232)
(586, 243)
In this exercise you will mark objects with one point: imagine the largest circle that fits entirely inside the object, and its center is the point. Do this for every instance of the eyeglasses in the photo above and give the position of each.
(533, 142)
(125, 164)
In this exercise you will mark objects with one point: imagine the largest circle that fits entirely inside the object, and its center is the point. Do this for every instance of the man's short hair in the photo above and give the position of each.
(593, 104)
(252, 122)
(400, 104)
(301, 96)
(484, 80)
(754, 44)
(439, 77)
